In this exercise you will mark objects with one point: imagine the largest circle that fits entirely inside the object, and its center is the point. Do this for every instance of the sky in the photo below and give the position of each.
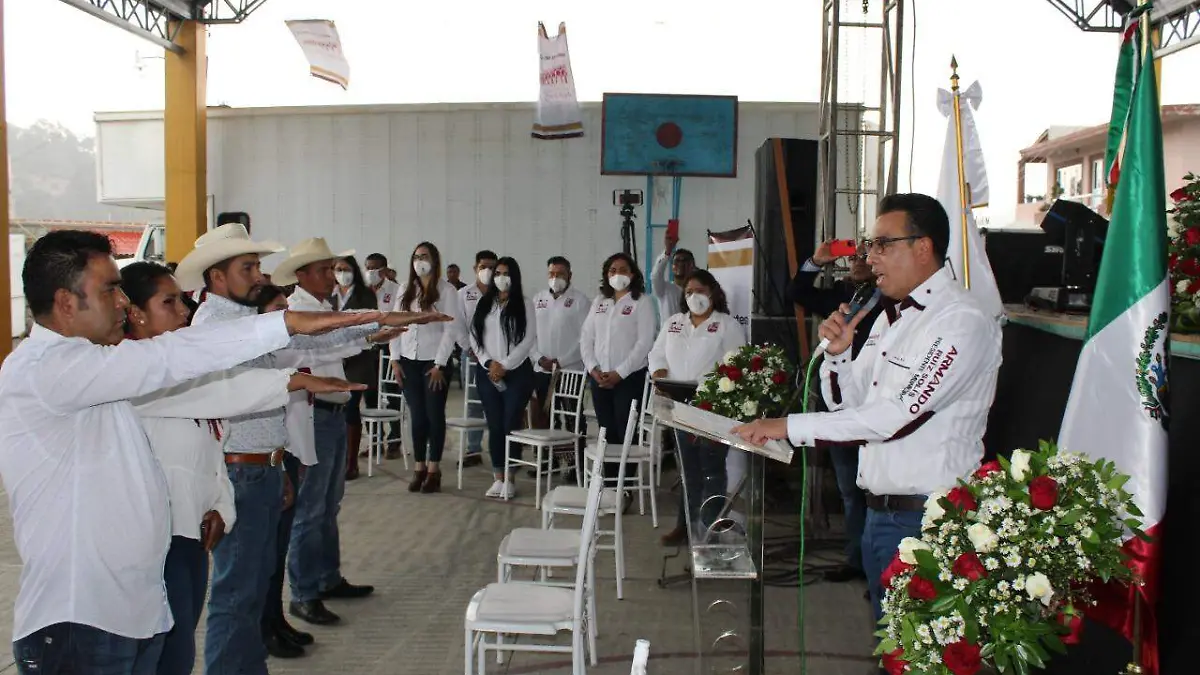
(1035, 67)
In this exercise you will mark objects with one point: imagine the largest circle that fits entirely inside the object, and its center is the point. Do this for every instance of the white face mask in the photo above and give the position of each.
(503, 282)
(558, 285)
(422, 267)
(344, 278)
(619, 282)
(373, 277)
(698, 303)
(485, 276)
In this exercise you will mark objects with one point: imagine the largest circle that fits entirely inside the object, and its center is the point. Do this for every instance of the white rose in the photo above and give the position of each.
(750, 408)
(908, 548)
(1018, 464)
(1038, 588)
(933, 510)
(1181, 287)
(726, 385)
(982, 537)
(729, 356)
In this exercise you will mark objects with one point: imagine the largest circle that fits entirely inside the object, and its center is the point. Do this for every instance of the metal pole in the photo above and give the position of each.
(964, 191)
(754, 541)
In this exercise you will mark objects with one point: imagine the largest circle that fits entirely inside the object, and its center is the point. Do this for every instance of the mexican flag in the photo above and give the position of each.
(1118, 407)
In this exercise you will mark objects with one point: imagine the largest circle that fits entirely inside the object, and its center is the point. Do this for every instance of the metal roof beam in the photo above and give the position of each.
(1178, 22)
(1092, 16)
(158, 20)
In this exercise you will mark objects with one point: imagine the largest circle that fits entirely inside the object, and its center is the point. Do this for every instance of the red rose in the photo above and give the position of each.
(734, 374)
(1074, 625)
(989, 467)
(756, 364)
(893, 664)
(1192, 236)
(961, 497)
(893, 570)
(704, 405)
(1190, 267)
(968, 566)
(1043, 493)
(920, 588)
(961, 658)
(1181, 195)
(1173, 261)
(779, 377)
(1194, 287)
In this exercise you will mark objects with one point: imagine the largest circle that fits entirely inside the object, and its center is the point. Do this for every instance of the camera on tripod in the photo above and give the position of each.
(625, 198)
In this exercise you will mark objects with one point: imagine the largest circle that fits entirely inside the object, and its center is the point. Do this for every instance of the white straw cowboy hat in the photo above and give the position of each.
(305, 253)
(219, 244)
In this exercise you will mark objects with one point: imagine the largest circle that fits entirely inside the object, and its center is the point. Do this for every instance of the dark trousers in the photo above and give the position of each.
(76, 649)
(428, 408)
(854, 501)
(503, 409)
(704, 477)
(273, 610)
(186, 579)
(612, 414)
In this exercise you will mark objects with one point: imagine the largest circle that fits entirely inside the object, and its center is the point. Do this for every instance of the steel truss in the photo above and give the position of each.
(158, 20)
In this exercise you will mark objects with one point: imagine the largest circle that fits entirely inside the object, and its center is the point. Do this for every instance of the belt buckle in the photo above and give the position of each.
(274, 459)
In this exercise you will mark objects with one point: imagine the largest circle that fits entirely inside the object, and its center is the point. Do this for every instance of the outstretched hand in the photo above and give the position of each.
(398, 319)
(315, 323)
(316, 384)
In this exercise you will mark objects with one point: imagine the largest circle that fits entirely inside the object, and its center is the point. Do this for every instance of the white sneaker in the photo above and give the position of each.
(495, 491)
(507, 490)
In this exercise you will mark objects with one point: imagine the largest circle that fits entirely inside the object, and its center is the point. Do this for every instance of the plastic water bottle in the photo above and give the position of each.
(499, 385)
(641, 654)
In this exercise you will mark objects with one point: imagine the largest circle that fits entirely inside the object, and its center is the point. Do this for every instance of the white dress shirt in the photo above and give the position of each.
(667, 293)
(690, 352)
(301, 434)
(339, 296)
(432, 341)
(618, 335)
(386, 294)
(468, 300)
(302, 301)
(89, 502)
(560, 327)
(185, 426)
(917, 395)
(496, 346)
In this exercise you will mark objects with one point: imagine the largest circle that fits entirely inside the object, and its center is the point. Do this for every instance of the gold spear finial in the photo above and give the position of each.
(953, 73)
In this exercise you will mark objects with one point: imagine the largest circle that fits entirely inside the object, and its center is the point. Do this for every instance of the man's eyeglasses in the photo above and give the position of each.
(880, 245)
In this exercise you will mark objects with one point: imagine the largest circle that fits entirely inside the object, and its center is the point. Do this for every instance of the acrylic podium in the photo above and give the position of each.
(725, 547)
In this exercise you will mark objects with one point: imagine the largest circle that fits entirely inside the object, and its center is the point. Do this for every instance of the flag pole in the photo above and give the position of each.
(964, 191)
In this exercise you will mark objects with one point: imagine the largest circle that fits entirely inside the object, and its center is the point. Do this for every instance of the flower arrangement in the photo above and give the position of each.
(750, 382)
(1183, 260)
(1000, 573)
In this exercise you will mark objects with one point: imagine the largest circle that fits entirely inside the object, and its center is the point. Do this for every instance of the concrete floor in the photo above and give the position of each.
(427, 554)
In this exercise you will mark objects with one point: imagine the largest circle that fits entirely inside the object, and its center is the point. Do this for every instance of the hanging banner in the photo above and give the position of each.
(322, 47)
(731, 261)
(558, 114)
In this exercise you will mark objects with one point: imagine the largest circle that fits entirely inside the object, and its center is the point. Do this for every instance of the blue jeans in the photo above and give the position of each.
(242, 566)
(704, 476)
(845, 468)
(315, 560)
(273, 609)
(186, 578)
(71, 648)
(428, 408)
(503, 409)
(474, 410)
(881, 537)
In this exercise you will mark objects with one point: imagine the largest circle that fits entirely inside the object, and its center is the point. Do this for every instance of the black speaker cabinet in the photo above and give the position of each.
(1081, 232)
(1022, 258)
(774, 213)
(234, 217)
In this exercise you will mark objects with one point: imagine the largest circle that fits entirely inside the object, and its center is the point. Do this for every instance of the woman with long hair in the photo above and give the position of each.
(615, 344)
(419, 357)
(503, 332)
(185, 430)
(353, 293)
(691, 343)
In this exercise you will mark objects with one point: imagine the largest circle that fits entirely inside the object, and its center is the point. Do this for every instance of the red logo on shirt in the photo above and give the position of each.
(569, 302)
(627, 310)
(675, 327)
(387, 299)
(543, 304)
(712, 327)
(602, 309)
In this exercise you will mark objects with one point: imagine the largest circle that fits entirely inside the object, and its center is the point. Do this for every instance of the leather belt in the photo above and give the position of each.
(273, 458)
(896, 502)
(327, 406)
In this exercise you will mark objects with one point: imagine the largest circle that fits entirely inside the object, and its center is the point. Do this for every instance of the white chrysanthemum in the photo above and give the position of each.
(991, 564)
(729, 356)
(1181, 287)
(750, 408)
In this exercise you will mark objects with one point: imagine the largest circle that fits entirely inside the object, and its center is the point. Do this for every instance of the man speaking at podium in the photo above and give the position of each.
(917, 395)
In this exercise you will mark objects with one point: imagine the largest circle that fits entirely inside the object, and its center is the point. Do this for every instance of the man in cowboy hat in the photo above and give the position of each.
(225, 261)
(314, 566)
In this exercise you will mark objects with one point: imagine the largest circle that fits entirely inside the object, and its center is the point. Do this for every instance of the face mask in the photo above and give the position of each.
(485, 276)
(344, 278)
(619, 282)
(373, 277)
(558, 285)
(503, 282)
(698, 303)
(422, 267)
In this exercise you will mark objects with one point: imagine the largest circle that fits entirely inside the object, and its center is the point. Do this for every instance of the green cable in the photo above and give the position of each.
(803, 504)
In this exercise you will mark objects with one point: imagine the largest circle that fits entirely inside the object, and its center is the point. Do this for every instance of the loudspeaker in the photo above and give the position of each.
(1081, 232)
(1021, 259)
(798, 174)
(234, 217)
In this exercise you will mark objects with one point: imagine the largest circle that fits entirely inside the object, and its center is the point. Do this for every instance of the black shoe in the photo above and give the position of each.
(289, 633)
(841, 575)
(473, 459)
(313, 612)
(279, 646)
(345, 590)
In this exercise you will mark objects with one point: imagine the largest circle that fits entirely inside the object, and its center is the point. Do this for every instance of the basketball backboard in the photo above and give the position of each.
(669, 135)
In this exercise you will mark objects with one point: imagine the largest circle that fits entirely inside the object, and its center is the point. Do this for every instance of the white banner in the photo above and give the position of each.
(731, 262)
(322, 47)
(558, 114)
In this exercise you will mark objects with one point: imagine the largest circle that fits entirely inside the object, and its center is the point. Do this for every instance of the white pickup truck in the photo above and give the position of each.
(151, 247)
